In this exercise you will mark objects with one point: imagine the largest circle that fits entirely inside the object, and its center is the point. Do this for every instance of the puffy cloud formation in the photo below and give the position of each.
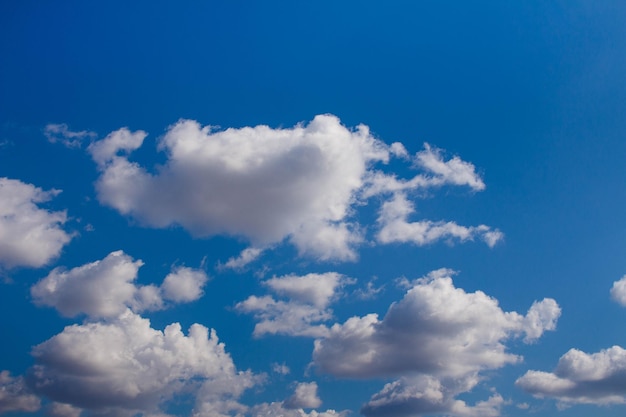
(106, 288)
(29, 235)
(306, 307)
(395, 227)
(15, 396)
(278, 409)
(305, 396)
(427, 395)
(618, 291)
(62, 133)
(300, 184)
(124, 367)
(437, 340)
(582, 378)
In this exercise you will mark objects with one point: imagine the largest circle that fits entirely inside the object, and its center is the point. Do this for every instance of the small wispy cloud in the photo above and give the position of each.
(60, 133)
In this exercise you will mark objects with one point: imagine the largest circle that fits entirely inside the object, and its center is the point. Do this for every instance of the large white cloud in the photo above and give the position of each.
(124, 366)
(437, 340)
(581, 378)
(304, 311)
(29, 235)
(106, 288)
(15, 396)
(300, 184)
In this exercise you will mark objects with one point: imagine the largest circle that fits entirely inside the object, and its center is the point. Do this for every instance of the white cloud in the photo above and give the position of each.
(63, 410)
(281, 368)
(394, 227)
(107, 151)
(582, 378)
(300, 184)
(106, 288)
(438, 173)
(29, 235)
(261, 183)
(61, 133)
(427, 395)
(184, 285)
(304, 396)
(437, 340)
(278, 409)
(455, 171)
(124, 367)
(618, 291)
(304, 311)
(15, 396)
(246, 256)
(315, 289)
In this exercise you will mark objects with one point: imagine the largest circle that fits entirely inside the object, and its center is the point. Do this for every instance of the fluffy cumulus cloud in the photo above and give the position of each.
(106, 288)
(29, 234)
(304, 396)
(124, 366)
(436, 340)
(300, 184)
(581, 378)
(15, 396)
(305, 309)
(618, 291)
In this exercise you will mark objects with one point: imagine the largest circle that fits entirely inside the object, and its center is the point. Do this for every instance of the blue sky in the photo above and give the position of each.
(312, 208)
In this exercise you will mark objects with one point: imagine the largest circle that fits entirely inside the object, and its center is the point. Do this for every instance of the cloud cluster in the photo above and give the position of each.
(124, 366)
(582, 378)
(106, 288)
(304, 310)
(29, 235)
(15, 396)
(437, 340)
(300, 184)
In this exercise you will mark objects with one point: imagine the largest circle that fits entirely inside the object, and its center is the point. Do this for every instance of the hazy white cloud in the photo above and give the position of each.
(437, 340)
(106, 288)
(582, 378)
(394, 227)
(15, 396)
(281, 368)
(124, 366)
(29, 235)
(63, 410)
(304, 396)
(306, 308)
(618, 291)
(62, 134)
